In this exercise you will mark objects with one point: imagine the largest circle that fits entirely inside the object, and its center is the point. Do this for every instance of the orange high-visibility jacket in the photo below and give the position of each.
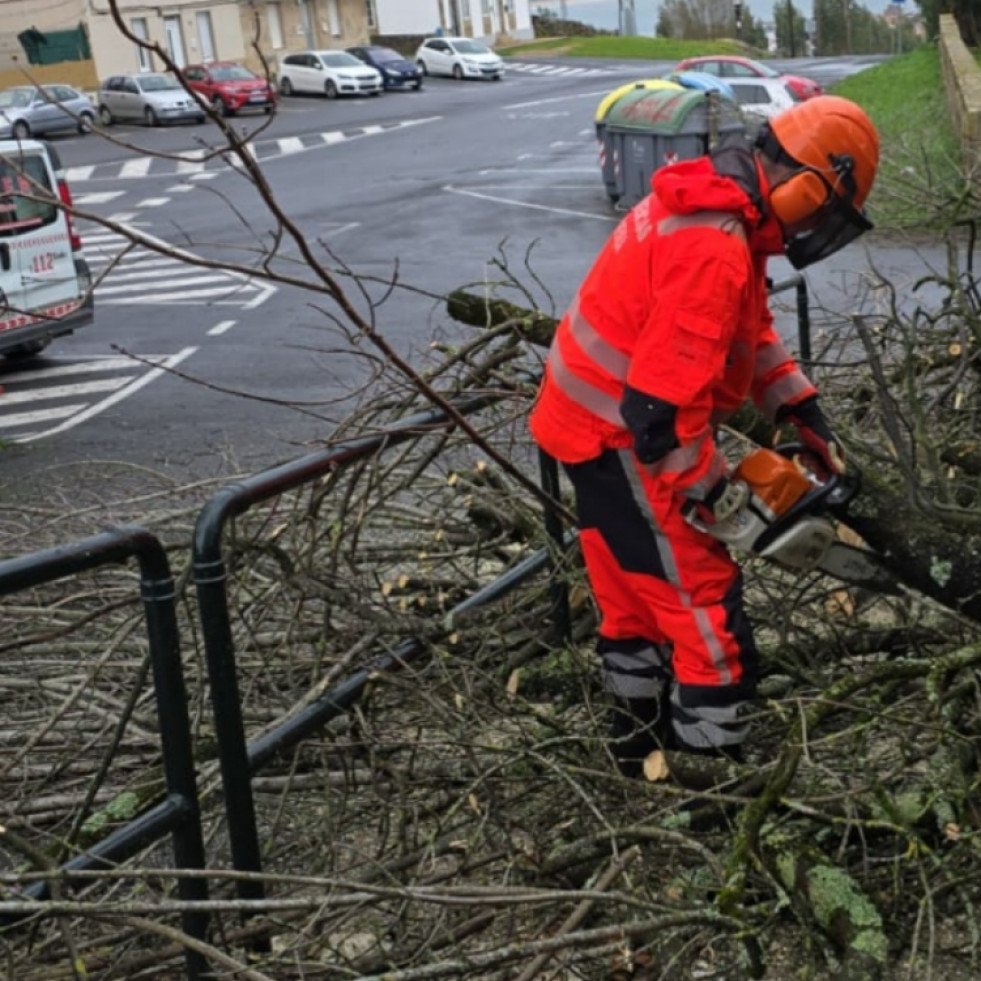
(671, 331)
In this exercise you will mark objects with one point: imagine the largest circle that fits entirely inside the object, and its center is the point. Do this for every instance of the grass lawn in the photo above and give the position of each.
(650, 48)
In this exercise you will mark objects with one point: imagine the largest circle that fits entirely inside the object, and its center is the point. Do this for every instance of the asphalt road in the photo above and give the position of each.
(199, 372)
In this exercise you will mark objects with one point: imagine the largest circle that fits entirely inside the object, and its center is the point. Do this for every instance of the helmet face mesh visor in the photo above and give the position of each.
(840, 225)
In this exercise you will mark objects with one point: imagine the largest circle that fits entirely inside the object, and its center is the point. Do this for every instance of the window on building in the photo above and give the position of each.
(206, 37)
(143, 60)
(333, 18)
(485, 8)
(274, 21)
(369, 13)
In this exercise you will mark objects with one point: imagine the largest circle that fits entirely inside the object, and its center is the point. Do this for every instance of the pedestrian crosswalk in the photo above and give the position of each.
(545, 68)
(40, 402)
(127, 275)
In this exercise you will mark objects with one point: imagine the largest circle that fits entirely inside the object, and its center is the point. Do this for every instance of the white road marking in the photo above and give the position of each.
(68, 391)
(41, 415)
(218, 277)
(178, 188)
(106, 363)
(136, 168)
(185, 296)
(221, 328)
(73, 174)
(122, 216)
(155, 271)
(118, 396)
(529, 205)
(291, 144)
(151, 202)
(97, 197)
(190, 165)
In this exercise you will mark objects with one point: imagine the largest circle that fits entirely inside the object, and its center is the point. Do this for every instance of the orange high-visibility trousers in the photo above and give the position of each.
(657, 579)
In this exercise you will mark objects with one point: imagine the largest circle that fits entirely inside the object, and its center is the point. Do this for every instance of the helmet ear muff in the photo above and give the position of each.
(798, 197)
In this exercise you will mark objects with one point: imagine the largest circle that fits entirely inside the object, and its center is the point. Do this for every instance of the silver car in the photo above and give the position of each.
(31, 110)
(150, 97)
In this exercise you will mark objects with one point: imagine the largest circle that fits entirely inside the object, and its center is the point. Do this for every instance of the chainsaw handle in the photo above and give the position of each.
(830, 494)
(840, 488)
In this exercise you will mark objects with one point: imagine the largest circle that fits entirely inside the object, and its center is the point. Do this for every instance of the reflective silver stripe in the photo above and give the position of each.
(629, 463)
(581, 392)
(597, 347)
(707, 735)
(677, 461)
(634, 661)
(670, 566)
(726, 221)
(783, 390)
(711, 640)
(708, 726)
(770, 356)
(634, 686)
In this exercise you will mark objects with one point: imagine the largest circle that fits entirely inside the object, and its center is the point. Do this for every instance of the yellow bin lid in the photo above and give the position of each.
(647, 83)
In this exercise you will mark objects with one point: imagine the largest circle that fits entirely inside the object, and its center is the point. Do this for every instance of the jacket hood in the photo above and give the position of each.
(730, 180)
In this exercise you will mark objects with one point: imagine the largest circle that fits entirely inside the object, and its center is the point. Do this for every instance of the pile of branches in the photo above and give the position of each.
(464, 819)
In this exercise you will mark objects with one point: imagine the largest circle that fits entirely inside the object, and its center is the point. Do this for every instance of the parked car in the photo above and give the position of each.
(731, 67)
(762, 96)
(397, 72)
(230, 87)
(45, 282)
(31, 110)
(330, 73)
(150, 97)
(461, 57)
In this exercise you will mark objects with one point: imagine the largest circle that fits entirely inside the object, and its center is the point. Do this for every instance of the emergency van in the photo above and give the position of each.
(45, 282)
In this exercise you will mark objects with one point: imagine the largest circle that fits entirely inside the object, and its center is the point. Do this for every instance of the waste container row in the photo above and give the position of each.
(647, 124)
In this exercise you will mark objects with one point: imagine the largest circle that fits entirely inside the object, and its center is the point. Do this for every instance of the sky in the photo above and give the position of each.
(604, 13)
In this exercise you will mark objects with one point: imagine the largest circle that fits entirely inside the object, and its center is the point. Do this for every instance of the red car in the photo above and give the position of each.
(732, 66)
(230, 87)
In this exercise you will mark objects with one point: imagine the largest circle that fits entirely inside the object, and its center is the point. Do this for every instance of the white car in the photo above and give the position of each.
(761, 96)
(461, 57)
(330, 73)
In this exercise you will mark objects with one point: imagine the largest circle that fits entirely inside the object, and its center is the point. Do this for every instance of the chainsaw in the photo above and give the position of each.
(793, 515)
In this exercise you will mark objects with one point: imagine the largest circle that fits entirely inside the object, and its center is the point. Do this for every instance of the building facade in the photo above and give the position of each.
(189, 31)
(488, 20)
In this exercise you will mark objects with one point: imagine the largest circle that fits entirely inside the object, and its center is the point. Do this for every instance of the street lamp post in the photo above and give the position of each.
(790, 25)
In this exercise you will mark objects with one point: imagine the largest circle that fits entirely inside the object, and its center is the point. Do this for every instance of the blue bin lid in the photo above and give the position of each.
(703, 81)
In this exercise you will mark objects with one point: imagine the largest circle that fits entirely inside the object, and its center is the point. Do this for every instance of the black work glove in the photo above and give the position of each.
(814, 432)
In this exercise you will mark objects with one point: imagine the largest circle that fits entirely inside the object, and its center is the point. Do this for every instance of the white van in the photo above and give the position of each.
(45, 282)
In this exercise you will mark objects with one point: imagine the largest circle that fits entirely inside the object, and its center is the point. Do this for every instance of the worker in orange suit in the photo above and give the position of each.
(669, 333)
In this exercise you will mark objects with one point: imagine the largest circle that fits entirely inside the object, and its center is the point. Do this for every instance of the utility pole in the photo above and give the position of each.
(790, 25)
(628, 19)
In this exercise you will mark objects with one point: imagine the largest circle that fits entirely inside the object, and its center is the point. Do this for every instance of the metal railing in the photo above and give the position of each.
(239, 760)
(178, 813)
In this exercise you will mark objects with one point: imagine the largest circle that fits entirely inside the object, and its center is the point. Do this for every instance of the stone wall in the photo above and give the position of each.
(962, 83)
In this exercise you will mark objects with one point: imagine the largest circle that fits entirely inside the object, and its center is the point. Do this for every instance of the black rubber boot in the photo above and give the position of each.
(638, 727)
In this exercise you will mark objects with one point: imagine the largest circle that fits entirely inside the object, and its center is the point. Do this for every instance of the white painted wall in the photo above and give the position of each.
(422, 16)
(407, 16)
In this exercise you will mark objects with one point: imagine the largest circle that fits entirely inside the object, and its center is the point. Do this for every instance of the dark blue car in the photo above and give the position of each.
(397, 72)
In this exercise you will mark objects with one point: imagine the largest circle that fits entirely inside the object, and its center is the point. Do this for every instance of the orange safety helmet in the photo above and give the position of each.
(834, 150)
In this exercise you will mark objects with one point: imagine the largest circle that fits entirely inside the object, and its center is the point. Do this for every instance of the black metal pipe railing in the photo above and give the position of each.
(210, 579)
(179, 813)
(797, 283)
